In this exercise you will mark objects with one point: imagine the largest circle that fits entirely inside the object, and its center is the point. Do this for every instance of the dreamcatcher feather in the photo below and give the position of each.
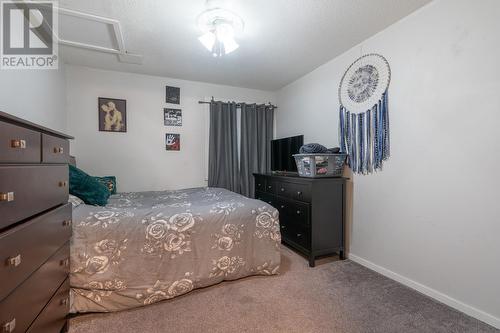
(364, 113)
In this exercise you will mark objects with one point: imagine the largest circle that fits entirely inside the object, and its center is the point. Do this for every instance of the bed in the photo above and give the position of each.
(145, 247)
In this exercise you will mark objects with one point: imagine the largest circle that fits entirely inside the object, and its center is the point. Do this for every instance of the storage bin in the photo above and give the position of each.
(320, 165)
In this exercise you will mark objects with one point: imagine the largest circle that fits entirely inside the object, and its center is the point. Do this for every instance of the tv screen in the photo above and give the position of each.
(282, 151)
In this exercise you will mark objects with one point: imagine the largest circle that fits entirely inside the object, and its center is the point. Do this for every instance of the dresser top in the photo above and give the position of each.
(296, 176)
(8, 118)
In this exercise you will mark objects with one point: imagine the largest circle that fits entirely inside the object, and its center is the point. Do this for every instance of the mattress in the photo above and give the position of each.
(145, 247)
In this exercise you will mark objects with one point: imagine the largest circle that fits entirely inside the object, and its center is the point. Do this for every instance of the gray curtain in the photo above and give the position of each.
(223, 147)
(257, 123)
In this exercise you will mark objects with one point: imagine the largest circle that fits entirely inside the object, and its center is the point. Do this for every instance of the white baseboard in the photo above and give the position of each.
(462, 307)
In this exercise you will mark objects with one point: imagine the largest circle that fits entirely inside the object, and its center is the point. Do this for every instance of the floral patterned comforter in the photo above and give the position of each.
(144, 247)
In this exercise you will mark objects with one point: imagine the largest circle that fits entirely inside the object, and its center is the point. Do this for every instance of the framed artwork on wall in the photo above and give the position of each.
(112, 114)
(172, 117)
(173, 95)
(173, 142)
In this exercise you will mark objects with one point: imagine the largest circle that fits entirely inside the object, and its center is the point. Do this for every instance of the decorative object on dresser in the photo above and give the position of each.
(35, 227)
(311, 211)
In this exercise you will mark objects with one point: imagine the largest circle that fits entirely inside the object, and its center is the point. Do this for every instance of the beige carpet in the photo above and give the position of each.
(335, 296)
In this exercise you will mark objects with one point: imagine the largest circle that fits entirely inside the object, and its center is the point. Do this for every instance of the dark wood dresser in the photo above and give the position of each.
(312, 211)
(35, 227)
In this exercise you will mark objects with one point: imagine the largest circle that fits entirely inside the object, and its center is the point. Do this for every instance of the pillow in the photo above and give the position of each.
(109, 182)
(75, 201)
(87, 188)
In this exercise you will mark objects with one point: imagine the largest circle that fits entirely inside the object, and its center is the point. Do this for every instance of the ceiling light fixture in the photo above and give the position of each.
(219, 27)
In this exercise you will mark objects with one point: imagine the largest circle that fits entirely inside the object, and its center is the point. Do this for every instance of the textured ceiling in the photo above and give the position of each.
(282, 41)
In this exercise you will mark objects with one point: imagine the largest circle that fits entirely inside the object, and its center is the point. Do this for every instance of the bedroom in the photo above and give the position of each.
(175, 105)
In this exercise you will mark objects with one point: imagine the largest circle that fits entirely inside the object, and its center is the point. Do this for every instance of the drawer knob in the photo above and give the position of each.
(299, 235)
(58, 150)
(65, 301)
(282, 189)
(14, 261)
(64, 262)
(259, 185)
(9, 326)
(283, 227)
(9, 196)
(282, 206)
(299, 193)
(63, 184)
(17, 143)
(269, 186)
(270, 202)
(298, 212)
(67, 223)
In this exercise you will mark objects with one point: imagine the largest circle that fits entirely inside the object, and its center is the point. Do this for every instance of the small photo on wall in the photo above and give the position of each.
(173, 141)
(173, 95)
(173, 117)
(112, 114)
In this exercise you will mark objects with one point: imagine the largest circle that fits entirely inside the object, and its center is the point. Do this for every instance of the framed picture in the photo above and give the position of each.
(112, 114)
(172, 117)
(173, 141)
(173, 95)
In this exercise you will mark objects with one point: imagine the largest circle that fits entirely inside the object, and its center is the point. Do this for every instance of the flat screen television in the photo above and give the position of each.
(282, 151)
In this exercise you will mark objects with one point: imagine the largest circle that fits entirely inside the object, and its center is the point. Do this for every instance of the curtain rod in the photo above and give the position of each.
(237, 104)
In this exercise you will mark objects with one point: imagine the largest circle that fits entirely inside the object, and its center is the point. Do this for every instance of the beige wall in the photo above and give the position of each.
(138, 158)
(430, 219)
(35, 95)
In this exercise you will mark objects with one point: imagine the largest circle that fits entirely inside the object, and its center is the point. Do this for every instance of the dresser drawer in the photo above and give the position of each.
(260, 183)
(295, 191)
(54, 149)
(270, 186)
(297, 213)
(285, 225)
(299, 236)
(18, 144)
(26, 247)
(53, 316)
(23, 305)
(29, 190)
(267, 198)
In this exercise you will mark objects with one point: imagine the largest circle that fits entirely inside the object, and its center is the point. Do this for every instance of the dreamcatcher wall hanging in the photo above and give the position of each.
(364, 113)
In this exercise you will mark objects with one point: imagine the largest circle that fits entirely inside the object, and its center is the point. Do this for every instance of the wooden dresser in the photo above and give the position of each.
(35, 227)
(312, 211)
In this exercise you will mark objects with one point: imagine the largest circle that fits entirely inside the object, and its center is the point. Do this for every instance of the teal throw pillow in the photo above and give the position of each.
(109, 182)
(87, 188)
